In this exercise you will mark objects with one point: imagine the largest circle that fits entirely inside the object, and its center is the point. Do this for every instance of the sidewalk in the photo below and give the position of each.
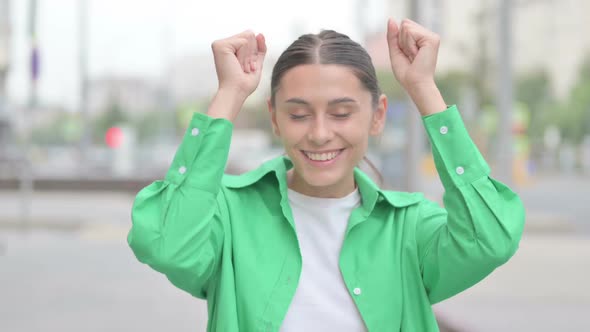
(544, 287)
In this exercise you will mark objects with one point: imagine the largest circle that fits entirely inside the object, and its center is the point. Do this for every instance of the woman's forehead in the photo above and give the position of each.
(320, 81)
(318, 71)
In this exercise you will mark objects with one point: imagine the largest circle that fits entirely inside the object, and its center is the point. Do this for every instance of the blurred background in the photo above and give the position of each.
(95, 97)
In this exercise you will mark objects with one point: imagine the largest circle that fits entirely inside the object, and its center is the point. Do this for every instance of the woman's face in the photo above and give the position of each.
(324, 117)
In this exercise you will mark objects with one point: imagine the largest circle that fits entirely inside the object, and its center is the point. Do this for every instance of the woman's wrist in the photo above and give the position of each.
(226, 104)
(427, 98)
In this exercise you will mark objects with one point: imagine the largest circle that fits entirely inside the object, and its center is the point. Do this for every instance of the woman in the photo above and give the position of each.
(307, 242)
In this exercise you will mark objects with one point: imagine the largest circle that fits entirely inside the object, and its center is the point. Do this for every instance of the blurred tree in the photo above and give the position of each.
(452, 85)
(573, 115)
(390, 86)
(149, 125)
(184, 114)
(534, 90)
(256, 116)
(113, 116)
(64, 129)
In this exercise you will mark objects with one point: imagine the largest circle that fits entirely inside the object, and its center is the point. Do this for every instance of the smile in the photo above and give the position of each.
(322, 156)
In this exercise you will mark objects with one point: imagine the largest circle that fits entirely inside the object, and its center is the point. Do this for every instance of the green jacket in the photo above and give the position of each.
(232, 239)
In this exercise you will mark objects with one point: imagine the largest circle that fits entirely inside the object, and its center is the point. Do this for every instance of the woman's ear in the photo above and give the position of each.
(379, 116)
(273, 118)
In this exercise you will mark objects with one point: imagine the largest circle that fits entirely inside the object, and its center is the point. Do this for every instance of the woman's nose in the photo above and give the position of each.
(320, 132)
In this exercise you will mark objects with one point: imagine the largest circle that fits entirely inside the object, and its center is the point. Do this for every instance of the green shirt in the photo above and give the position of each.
(232, 240)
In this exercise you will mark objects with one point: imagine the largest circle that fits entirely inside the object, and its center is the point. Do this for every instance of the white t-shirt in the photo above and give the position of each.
(322, 301)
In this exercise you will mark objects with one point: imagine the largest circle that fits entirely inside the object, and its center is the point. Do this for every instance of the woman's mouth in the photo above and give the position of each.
(323, 158)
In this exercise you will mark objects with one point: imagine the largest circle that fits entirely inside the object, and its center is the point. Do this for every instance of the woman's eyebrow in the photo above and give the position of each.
(330, 103)
(297, 101)
(341, 100)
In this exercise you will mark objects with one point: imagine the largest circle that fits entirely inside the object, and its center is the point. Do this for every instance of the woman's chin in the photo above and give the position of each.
(321, 182)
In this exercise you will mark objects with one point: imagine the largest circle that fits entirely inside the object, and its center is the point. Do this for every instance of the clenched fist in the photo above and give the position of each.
(413, 51)
(238, 62)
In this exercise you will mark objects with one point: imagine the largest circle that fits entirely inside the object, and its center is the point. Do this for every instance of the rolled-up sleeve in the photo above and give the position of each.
(481, 223)
(178, 223)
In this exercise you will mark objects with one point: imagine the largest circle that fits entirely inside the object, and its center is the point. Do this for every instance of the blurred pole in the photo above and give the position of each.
(25, 167)
(166, 98)
(86, 137)
(415, 135)
(4, 67)
(4, 54)
(34, 56)
(504, 158)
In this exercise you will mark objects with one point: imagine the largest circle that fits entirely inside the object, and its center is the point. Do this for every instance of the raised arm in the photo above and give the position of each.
(180, 224)
(482, 221)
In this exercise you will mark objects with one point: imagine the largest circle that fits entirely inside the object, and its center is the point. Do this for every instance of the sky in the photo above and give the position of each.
(139, 37)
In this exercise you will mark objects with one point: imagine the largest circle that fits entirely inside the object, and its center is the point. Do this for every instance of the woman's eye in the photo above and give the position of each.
(297, 117)
(341, 115)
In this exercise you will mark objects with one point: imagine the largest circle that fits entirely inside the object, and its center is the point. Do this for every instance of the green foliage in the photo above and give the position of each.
(575, 115)
(452, 84)
(149, 125)
(572, 115)
(184, 114)
(65, 128)
(390, 86)
(534, 90)
(114, 116)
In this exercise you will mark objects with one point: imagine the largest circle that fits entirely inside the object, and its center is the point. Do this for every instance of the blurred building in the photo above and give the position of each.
(547, 34)
(193, 77)
(132, 94)
(553, 35)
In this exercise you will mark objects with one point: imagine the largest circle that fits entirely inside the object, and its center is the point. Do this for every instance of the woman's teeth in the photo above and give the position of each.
(321, 156)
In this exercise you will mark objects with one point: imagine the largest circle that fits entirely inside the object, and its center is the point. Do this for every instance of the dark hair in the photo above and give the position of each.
(329, 48)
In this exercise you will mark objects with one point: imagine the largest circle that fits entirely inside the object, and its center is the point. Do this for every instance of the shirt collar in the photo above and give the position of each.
(369, 190)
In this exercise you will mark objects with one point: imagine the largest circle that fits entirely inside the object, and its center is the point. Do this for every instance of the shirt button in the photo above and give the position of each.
(444, 130)
(460, 170)
(182, 170)
(357, 291)
(195, 131)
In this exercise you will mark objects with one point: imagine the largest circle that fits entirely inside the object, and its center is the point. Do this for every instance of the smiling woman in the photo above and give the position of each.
(324, 117)
(308, 242)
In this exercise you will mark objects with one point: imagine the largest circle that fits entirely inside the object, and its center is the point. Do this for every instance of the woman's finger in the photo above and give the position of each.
(252, 52)
(228, 45)
(396, 54)
(261, 46)
(242, 52)
(411, 40)
(403, 41)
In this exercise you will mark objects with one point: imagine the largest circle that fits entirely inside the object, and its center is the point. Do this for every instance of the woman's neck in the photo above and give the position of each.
(336, 190)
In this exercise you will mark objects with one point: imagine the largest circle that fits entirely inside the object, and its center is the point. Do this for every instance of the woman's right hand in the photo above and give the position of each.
(238, 63)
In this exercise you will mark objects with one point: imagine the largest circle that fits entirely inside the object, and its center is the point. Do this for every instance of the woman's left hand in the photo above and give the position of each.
(413, 51)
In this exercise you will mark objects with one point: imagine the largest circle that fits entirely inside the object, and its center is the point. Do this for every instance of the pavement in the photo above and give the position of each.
(70, 269)
(544, 287)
